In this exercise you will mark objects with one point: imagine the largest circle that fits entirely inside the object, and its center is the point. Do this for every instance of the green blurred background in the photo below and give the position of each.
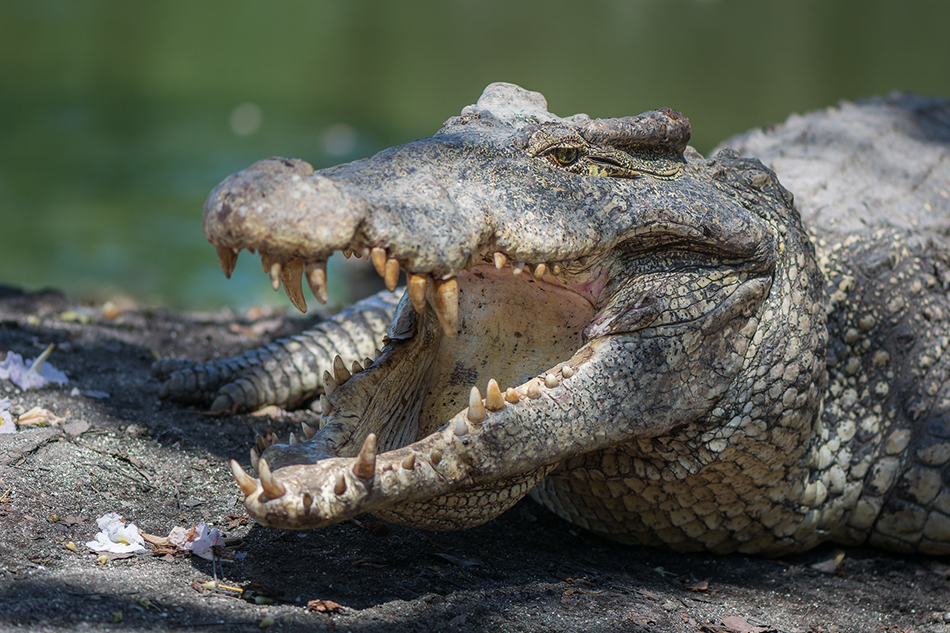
(117, 117)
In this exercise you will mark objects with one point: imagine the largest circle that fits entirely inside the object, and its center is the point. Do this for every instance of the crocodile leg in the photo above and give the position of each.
(287, 372)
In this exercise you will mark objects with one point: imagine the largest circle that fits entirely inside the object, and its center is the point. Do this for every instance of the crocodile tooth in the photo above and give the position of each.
(378, 255)
(261, 443)
(365, 466)
(500, 260)
(247, 483)
(227, 258)
(272, 488)
(534, 391)
(265, 261)
(517, 268)
(365, 252)
(340, 373)
(476, 410)
(254, 459)
(340, 486)
(410, 462)
(377, 353)
(567, 371)
(329, 384)
(347, 253)
(307, 499)
(512, 396)
(417, 292)
(291, 276)
(539, 271)
(493, 399)
(367, 361)
(391, 274)
(436, 456)
(274, 272)
(445, 300)
(293, 439)
(461, 429)
(308, 431)
(551, 381)
(355, 367)
(317, 280)
(557, 269)
(325, 405)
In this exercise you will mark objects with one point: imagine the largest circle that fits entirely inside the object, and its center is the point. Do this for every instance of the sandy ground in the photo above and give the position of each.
(160, 466)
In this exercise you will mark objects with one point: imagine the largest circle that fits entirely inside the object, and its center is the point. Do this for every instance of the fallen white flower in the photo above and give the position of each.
(198, 540)
(6, 420)
(34, 375)
(117, 536)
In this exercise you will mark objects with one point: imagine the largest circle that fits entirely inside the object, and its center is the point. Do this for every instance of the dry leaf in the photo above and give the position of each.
(737, 624)
(39, 417)
(324, 606)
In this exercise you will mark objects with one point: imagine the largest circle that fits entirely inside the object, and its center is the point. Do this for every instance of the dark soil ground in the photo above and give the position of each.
(161, 465)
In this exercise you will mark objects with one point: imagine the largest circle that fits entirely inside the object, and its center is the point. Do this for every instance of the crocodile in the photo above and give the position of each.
(654, 345)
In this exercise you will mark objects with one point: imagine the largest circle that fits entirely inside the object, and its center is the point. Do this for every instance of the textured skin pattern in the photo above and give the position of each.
(681, 362)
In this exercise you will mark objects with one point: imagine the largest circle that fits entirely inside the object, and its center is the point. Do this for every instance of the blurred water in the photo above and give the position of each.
(118, 117)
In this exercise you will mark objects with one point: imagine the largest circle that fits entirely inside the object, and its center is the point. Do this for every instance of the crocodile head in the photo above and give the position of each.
(572, 284)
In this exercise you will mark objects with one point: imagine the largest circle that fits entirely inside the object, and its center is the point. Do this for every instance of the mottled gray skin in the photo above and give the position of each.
(677, 364)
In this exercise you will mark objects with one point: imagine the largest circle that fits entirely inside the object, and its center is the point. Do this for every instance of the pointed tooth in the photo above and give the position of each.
(391, 274)
(272, 488)
(365, 252)
(410, 462)
(291, 276)
(551, 381)
(582, 261)
(356, 367)
(378, 255)
(317, 280)
(567, 371)
(461, 429)
(247, 483)
(367, 362)
(308, 431)
(255, 460)
(436, 456)
(293, 439)
(417, 292)
(340, 373)
(476, 410)
(493, 399)
(377, 353)
(307, 499)
(500, 260)
(365, 466)
(534, 391)
(539, 271)
(512, 396)
(445, 300)
(261, 444)
(265, 261)
(557, 269)
(347, 253)
(517, 268)
(325, 405)
(340, 486)
(227, 258)
(329, 384)
(275, 270)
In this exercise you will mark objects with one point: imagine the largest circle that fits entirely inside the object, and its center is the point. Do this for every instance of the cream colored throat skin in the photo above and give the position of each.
(511, 328)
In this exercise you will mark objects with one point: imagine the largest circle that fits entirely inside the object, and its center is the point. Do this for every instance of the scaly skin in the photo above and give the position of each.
(649, 328)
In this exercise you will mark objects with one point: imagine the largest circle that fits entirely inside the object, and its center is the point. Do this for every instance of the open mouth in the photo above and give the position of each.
(496, 335)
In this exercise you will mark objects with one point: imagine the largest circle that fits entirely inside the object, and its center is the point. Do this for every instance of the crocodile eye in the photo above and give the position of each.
(565, 156)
